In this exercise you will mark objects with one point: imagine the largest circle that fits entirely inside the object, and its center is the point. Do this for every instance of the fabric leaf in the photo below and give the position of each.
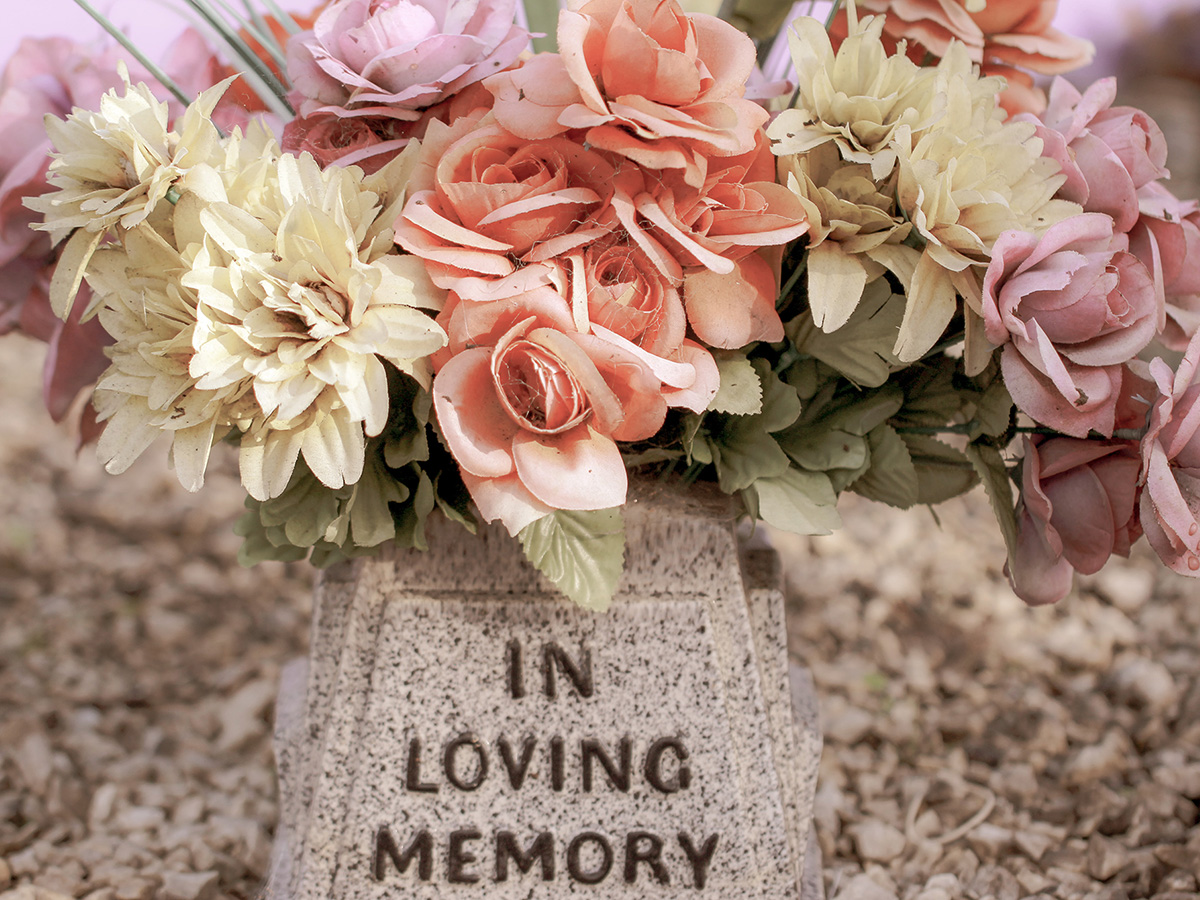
(582, 552)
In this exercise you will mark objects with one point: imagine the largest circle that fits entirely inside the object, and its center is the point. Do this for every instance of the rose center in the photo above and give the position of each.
(537, 390)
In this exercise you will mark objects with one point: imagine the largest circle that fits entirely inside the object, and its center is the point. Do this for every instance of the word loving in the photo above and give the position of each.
(587, 765)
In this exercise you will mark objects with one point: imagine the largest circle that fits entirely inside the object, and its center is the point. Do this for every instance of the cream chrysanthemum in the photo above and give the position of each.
(301, 300)
(148, 389)
(927, 176)
(113, 168)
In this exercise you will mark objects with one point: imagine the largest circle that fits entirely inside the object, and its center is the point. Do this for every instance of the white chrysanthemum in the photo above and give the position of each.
(148, 389)
(113, 169)
(857, 97)
(963, 185)
(300, 298)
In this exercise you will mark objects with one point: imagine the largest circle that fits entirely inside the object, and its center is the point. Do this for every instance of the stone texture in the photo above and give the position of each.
(416, 735)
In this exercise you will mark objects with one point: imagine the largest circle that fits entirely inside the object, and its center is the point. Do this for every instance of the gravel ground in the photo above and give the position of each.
(974, 748)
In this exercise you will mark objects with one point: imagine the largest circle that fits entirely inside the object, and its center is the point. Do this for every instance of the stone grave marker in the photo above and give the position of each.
(467, 733)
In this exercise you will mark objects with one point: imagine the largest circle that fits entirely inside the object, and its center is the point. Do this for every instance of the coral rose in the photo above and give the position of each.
(532, 409)
(1077, 509)
(1170, 504)
(646, 81)
(1106, 152)
(396, 57)
(1070, 309)
(483, 203)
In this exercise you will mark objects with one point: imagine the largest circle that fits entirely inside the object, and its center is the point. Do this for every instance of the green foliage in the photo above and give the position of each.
(740, 392)
(582, 552)
(861, 350)
(797, 501)
(989, 464)
(891, 477)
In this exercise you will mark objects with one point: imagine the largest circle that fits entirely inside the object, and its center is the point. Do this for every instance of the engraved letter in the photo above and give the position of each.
(651, 855)
(449, 758)
(412, 770)
(517, 768)
(653, 768)
(421, 846)
(700, 859)
(591, 750)
(507, 848)
(557, 776)
(601, 871)
(554, 658)
(516, 669)
(457, 858)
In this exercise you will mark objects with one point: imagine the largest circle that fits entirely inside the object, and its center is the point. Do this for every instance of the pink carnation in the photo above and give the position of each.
(645, 80)
(1076, 510)
(393, 58)
(1070, 309)
(1170, 504)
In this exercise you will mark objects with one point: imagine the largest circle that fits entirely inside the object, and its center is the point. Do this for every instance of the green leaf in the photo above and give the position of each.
(819, 450)
(256, 545)
(453, 499)
(942, 471)
(582, 552)
(892, 477)
(861, 349)
(989, 464)
(740, 393)
(745, 453)
(410, 521)
(798, 501)
(780, 402)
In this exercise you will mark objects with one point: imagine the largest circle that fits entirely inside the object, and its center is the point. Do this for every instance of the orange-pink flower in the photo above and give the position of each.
(485, 203)
(646, 81)
(532, 409)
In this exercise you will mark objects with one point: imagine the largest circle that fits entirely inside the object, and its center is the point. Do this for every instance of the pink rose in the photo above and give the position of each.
(1106, 152)
(532, 409)
(484, 204)
(1167, 238)
(646, 81)
(368, 143)
(392, 58)
(1077, 509)
(1170, 505)
(1070, 309)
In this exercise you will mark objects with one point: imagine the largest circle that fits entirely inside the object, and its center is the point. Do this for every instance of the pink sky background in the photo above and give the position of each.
(152, 23)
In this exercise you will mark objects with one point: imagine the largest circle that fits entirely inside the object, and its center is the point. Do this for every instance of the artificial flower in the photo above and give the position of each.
(1170, 504)
(1070, 309)
(644, 80)
(1078, 508)
(393, 58)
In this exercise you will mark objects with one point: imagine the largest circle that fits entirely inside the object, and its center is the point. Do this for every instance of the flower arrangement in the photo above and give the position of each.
(408, 267)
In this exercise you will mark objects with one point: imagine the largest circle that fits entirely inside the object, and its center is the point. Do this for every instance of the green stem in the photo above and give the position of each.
(161, 76)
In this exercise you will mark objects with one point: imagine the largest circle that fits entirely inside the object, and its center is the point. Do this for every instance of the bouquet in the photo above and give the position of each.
(408, 267)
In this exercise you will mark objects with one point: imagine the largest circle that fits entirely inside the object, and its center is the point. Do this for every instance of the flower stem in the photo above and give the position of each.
(161, 76)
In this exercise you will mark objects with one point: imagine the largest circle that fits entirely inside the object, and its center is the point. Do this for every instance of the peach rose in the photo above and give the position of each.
(646, 81)
(1170, 505)
(1070, 309)
(532, 409)
(485, 203)
(1077, 508)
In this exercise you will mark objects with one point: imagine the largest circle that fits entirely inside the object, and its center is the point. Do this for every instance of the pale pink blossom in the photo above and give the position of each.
(1077, 509)
(1170, 504)
(1167, 238)
(1069, 309)
(394, 58)
(1107, 152)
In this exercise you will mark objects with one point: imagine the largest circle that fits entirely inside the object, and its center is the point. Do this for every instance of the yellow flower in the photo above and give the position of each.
(113, 169)
(301, 298)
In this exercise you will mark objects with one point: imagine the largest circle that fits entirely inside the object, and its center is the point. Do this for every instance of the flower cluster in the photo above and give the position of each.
(489, 284)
